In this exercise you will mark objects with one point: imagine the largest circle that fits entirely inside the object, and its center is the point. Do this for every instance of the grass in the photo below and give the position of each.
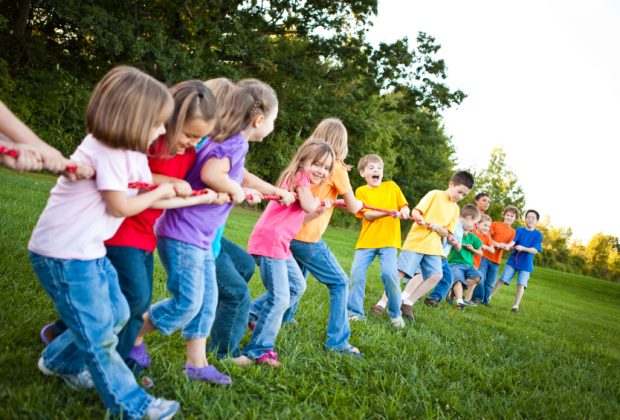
(558, 358)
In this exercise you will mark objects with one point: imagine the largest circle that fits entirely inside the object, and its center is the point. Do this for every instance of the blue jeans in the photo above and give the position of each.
(488, 276)
(317, 258)
(389, 275)
(440, 291)
(284, 285)
(234, 268)
(192, 284)
(79, 290)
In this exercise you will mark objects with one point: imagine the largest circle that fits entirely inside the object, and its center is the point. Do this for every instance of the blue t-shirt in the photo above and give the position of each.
(524, 261)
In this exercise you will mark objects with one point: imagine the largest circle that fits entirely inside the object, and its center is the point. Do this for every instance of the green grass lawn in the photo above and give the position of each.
(559, 357)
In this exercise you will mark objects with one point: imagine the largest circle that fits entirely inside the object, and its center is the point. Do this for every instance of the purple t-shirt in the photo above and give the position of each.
(197, 225)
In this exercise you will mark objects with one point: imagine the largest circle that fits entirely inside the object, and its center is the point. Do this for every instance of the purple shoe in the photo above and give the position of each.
(47, 334)
(206, 374)
(139, 355)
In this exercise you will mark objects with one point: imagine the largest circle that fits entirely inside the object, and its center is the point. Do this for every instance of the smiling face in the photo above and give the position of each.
(484, 227)
(509, 217)
(318, 169)
(191, 133)
(373, 174)
(530, 220)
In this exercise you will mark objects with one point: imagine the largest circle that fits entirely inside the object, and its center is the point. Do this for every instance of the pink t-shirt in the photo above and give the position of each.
(278, 225)
(75, 223)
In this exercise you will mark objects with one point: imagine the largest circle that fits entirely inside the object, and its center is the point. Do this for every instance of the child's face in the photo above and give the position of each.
(263, 125)
(155, 132)
(509, 217)
(468, 223)
(373, 173)
(484, 227)
(317, 170)
(191, 133)
(530, 220)
(457, 192)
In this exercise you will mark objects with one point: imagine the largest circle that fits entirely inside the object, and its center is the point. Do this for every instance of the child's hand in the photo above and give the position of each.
(431, 226)
(181, 187)
(75, 171)
(395, 214)
(420, 221)
(325, 204)
(166, 190)
(53, 160)
(222, 198)
(288, 197)
(29, 158)
(252, 196)
(208, 197)
(405, 213)
(519, 247)
(452, 240)
(238, 195)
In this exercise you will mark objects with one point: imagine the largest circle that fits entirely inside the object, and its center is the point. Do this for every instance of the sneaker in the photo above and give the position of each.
(460, 305)
(161, 409)
(478, 301)
(47, 334)
(139, 355)
(398, 322)
(206, 374)
(77, 381)
(515, 308)
(450, 300)
(407, 311)
(355, 318)
(269, 358)
(377, 309)
(432, 302)
(470, 303)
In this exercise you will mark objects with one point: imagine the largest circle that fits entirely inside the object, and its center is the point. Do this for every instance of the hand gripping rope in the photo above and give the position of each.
(15, 154)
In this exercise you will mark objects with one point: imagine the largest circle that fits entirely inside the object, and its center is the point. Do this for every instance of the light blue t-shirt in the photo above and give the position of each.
(458, 235)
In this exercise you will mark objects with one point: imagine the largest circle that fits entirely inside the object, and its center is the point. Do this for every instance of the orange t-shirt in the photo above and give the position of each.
(486, 240)
(502, 233)
(337, 184)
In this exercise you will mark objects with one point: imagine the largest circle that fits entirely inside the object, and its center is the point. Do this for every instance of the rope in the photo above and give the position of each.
(15, 154)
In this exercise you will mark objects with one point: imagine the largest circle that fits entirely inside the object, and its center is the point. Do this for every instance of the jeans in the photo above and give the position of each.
(389, 275)
(284, 286)
(488, 276)
(234, 268)
(440, 291)
(509, 273)
(317, 258)
(192, 284)
(79, 290)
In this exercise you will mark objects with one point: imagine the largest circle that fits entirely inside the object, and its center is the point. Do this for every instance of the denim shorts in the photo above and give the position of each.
(464, 272)
(410, 263)
(509, 273)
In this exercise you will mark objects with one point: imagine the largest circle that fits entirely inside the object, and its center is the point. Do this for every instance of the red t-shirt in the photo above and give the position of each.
(500, 232)
(137, 231)
(486, 240)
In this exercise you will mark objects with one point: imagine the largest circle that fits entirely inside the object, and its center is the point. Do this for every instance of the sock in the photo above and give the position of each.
(459, 301)
(407, 302)
(381, 304)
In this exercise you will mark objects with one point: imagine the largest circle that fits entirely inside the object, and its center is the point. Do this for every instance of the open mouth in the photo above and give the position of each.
(376, 178)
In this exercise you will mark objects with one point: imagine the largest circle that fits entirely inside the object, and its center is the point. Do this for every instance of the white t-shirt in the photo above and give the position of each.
(74, 223)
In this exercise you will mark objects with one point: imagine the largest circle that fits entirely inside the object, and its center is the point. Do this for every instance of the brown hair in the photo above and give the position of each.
(220, 87)
(471, 211)
(192, 100)
(463, 178)
(234, 113)
(366, 159)
(333, 132)
(314, 150)
(511, 209)
(485, 218)
(125, 106)
(265, 98)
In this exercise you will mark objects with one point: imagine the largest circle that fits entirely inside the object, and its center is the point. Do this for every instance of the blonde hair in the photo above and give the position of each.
(316, 151)
(192, 100)
(234, 113)
(471, 211)
(333, 132)
(485, 218)
(220, 87)
(265, 98)
(125, 106)
(366, 159)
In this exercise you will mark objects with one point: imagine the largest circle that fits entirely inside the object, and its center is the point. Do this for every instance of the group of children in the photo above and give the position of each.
(92, 248)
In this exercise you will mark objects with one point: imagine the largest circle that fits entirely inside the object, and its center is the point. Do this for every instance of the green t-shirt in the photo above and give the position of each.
(465, 256)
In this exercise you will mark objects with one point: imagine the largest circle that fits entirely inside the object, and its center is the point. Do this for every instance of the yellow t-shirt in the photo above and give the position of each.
(337, 184)
(384, 232)
(437, 208)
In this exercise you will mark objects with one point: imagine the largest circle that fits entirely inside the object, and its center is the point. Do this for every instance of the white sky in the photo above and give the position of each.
(543, 81)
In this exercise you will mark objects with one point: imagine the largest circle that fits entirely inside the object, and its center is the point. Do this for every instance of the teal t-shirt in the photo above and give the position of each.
(465, 256)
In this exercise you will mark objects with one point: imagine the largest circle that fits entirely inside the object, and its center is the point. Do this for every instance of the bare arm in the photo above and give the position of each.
(119, 205)
(307, 201)
(214, 174)
(252, 181)
(521, 248)
(178, 202)
(352, 204)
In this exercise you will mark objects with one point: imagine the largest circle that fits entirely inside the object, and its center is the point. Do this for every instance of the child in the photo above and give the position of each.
(380, 236)
(269, 244)
(125, 114)
(502, 235)
(527, 243)
(482, 229)
(437, 215)
(461, 261)
(185, 235)
(312, 253)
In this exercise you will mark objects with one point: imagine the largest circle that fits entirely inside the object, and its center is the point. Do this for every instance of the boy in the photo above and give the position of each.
(527, 243)
(437, 215)
(502, 235)
(482, 232)
(461, 260)
(380, 235)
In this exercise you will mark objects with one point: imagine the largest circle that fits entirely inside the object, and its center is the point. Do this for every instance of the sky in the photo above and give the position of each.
(543, 82)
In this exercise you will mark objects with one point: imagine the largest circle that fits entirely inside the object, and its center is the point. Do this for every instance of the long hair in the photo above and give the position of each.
(125, 106)
(234, 113)
(333, 132)
(315, 151)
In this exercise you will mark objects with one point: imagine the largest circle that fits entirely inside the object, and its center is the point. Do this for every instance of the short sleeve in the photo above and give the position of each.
(111, 169)
(360, 195)
(302, 179)
(400, 197)
(426, 202)
(340, 179)
(455, 219)
(477, 243)
(538, 242)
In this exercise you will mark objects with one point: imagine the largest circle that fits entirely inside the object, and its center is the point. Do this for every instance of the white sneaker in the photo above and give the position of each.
(162, 409)
(515, 308)
(398, 322)
(355, 318)
(78, 381)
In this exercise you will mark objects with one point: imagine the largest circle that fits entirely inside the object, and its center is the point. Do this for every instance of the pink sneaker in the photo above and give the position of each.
(269, 358)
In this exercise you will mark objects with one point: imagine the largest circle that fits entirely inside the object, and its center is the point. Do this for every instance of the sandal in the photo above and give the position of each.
(269, 358)
(206, 374)
(349, 350)
(47, 334)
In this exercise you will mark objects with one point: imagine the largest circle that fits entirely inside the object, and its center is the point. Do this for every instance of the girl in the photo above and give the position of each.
(269, 244)
(185, 235)
(125, 114)
(312, 253)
